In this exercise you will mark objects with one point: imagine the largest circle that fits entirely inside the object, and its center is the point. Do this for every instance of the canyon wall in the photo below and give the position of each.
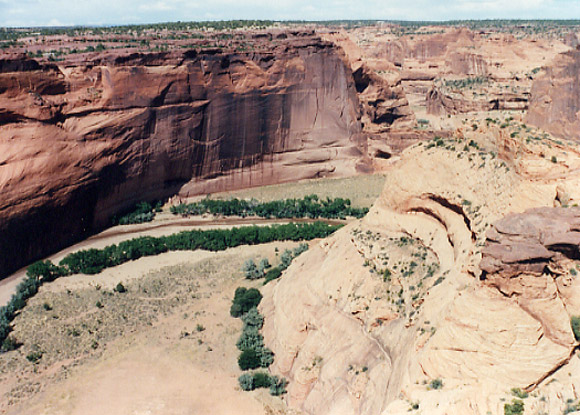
(81, 141)
(555, 97)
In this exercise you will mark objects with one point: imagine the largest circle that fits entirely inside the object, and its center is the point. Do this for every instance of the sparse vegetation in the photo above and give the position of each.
(515, 408)
(436, 384)
(285, 260)
(34, 356)
(120, 288)
(575, 323)
(517, 392)
(93, 261)
(466, 82)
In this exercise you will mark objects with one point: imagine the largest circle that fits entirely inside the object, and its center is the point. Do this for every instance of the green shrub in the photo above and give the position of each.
(266, 356)
(246, 382)
(34, 356)
(249, 359)
(277, 386)
(517, 392)
(45, 271)
(436, 384)
(571, 407)
(9, 344)
(272, 274)
(575, 323)
(438, 281)
(515, 408)
(249, 382)
(250, 339)
(140, 213)
(262, 380)
(264, 265)
(244, 300)
(251, 271)
(253, 319)
(120, 288)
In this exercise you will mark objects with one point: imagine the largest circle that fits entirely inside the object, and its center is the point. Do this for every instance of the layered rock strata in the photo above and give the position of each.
(81, 141)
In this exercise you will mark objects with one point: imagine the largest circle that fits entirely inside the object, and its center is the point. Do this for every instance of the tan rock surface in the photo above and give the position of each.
(378, 342)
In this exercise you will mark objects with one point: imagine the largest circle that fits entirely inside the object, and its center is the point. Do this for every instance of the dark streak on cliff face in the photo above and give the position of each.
(79, 142)
(555, 97)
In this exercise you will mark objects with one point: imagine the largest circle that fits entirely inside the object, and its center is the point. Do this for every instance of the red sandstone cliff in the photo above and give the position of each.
(80, 141)
(555, 97)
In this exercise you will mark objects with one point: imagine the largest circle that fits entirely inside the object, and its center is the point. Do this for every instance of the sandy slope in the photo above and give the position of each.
(156, 361)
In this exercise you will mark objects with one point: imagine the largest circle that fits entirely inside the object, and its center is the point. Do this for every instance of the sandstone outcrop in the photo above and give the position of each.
(387, 118)
(440, 102)
(384, 105)
(353, 338)
(555, 97)
(81, 141)
(531, 256)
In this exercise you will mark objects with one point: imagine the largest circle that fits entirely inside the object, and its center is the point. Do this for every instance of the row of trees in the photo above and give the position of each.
(93, 261)
(308, 207)
(254, 354)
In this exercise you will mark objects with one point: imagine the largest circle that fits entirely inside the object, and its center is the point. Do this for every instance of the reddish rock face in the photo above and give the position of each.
(532, 241)
(555, 97)
(81, 141)
(440, 102)
(531, 257)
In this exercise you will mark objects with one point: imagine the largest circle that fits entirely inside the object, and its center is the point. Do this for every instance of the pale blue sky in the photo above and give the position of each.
(98, 12)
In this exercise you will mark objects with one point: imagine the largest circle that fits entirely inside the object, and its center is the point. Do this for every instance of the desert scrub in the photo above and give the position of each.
(575, 323)
(436, 384)
(515, 408)
(285, 260)
(517, 392)
(101, 316)
(251, 381)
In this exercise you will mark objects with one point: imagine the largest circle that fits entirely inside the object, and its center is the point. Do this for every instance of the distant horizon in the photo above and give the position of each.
(297, 21)
(104, 13)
